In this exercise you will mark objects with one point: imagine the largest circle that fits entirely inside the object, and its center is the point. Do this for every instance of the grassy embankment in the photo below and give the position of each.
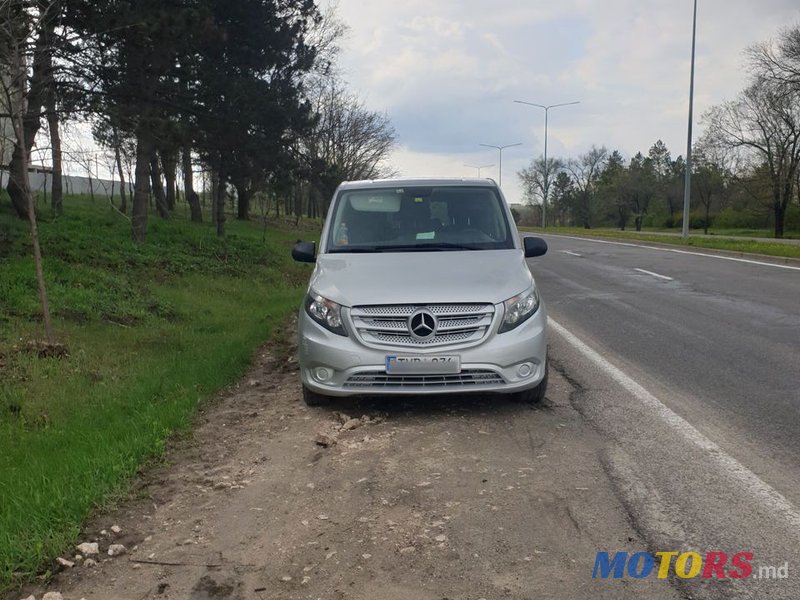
(695, 240)
(152, 332)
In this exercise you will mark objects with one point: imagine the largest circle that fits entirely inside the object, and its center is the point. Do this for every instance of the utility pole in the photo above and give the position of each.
(546, 166)
(500, 148)
(687, 189)
(479, 167)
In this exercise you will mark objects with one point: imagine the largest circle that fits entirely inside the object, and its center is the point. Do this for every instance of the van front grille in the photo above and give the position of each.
(388, 325)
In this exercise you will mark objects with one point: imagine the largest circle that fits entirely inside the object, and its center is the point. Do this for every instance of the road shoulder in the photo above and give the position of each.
(467, 498)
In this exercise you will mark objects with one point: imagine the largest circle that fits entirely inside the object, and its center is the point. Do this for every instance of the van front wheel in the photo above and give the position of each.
(312, 398)
(534, 395)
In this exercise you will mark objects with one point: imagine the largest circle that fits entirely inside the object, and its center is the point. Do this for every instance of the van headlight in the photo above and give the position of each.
(325, 312)
(519, 309)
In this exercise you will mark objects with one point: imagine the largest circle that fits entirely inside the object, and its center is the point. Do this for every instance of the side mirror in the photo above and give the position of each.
(305, 252)
(534, 246)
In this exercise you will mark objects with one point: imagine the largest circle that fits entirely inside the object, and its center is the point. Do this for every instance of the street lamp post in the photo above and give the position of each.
(546, 167)
(500, 168)
(479, 167)
(687, 188)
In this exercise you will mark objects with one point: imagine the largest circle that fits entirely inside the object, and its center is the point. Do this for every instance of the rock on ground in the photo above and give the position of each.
(88, 548)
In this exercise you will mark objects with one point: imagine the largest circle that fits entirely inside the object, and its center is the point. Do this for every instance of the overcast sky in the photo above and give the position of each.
(447, 72)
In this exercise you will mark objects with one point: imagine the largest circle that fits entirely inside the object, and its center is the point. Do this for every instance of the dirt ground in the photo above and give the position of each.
(457, 498)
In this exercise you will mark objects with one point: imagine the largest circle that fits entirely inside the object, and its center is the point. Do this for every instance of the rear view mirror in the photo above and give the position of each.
(305, 252)
(534, 246)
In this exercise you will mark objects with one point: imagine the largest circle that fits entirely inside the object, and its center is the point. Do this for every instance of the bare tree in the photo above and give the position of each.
(763, 125)
(348, 142)
(710, 178)
(585, 172)
(16, 27)
(779, 60)
(78, 153)
(537, 178)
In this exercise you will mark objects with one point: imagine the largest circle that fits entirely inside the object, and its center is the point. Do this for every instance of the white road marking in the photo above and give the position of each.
(664, 277)
(570, 252)
(744, 260)
(767, 495)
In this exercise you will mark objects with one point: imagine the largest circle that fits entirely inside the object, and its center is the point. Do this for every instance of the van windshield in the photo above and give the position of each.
(419, 219)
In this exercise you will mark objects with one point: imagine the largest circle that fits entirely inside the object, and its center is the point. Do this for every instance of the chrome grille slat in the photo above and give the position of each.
(383, 325)
(381, 380)
(387, 326)
(437, 309)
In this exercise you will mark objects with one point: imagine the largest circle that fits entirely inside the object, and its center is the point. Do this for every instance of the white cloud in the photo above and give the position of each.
(447, 71)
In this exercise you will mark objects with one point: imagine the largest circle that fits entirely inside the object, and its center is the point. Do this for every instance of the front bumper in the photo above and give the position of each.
(502, 363)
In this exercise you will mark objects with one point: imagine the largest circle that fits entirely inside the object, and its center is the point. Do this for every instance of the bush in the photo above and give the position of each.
(736, 219)
(671, 221)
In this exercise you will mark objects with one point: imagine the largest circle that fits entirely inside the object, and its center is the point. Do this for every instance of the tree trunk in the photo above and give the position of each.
(123, 198)
(34, 99)
(169, 162)
(188, 186)
(298, 203)
(220, 205)
(37, 259)
(23, 187)
(705, 221)
(57, 199)
(89, 176)
(157, 187)
(141, 194)
(242, 202)
(214, 195)
(780, 218)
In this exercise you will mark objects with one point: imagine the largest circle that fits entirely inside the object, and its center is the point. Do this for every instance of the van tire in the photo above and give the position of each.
(534, 395)
(312, 398)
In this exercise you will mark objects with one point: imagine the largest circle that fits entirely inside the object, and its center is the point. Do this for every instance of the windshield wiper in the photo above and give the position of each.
(429, 246)
(424, 247)
(355, 250)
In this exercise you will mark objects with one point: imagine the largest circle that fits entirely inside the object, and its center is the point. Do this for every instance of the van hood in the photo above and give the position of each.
(421, 277)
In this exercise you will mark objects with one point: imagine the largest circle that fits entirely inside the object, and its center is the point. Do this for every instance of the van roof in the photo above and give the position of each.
(418, 181)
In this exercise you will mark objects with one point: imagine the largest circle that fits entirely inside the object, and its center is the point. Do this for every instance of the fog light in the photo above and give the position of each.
(322, 374)
(524, 370)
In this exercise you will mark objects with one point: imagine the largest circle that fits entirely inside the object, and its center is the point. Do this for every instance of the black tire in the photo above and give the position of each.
(312, 398)
(535, 395)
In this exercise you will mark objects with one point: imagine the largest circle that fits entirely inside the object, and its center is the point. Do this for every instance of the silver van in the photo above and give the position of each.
(421, 286)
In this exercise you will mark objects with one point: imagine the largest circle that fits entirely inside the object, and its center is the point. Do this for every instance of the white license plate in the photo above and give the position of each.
(398, 364)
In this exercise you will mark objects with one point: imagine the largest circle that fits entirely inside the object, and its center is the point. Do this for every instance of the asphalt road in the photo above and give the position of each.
(691, 365)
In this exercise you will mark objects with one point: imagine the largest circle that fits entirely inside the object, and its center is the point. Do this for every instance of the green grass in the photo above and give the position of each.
(741, 232)
(776, 249)
(152, 332)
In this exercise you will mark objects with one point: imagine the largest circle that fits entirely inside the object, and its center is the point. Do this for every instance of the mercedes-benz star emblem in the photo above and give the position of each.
(422, 324)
